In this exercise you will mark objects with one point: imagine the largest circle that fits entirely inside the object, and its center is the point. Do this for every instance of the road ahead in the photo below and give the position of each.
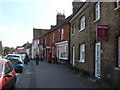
(49, 75)
(45, 75)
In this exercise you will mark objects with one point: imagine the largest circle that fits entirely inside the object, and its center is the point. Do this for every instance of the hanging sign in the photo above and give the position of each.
(102, 33)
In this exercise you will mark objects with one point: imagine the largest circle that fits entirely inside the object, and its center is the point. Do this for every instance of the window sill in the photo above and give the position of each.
(117, 8)
(80, 61)
(96, 20)
(73, 35)
(117, 68)
(81, 29)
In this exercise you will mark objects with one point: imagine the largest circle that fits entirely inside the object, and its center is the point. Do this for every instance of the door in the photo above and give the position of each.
(97, 60)
(73, 56)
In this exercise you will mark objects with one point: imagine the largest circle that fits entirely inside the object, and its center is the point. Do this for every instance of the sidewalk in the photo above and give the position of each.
(82, 79)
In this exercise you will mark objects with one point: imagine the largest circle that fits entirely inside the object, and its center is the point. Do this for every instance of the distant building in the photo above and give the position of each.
(37, 34)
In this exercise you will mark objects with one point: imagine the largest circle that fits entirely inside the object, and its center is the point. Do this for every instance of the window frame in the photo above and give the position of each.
(82, 22)
(118, 3)
(62, 34)
(82, 53)
(73, 29)
(53, 37)
(97, 11)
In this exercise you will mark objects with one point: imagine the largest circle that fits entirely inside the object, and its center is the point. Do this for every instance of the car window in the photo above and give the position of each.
(1, 69)
(10, 65)
(7, 68)
(9, 57)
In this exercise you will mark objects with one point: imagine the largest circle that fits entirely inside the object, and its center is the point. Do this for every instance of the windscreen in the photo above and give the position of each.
(13, 57)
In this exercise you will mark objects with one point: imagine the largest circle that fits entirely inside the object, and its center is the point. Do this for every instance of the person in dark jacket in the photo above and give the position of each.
(26, 59)
(37, 59)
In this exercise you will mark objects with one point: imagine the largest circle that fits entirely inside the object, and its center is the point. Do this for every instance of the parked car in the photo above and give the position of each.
(25, 57)
(16, 61)
(7, 75)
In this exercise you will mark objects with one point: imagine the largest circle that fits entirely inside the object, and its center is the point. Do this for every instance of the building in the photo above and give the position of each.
(37, 34)
(95, 42)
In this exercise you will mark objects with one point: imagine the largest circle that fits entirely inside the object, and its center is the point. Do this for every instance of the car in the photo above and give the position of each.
(16, 61)
(25, 58)
(8, 75)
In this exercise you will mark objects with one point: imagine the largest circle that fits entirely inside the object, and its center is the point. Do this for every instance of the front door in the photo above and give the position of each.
(73, 56)
(97, 60)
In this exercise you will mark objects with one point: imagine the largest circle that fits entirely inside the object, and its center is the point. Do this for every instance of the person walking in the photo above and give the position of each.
(26, 59)
(37, 59)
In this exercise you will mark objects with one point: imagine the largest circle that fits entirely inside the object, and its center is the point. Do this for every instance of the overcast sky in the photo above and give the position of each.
(18, 17)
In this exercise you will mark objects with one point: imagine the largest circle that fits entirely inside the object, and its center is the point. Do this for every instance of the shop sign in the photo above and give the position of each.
(102, 33)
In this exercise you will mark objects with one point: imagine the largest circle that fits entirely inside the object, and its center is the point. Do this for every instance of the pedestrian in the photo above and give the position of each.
(26, 59)
(37, 59)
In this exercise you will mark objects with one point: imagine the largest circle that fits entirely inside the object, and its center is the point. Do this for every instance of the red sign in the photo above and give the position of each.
(102, 33)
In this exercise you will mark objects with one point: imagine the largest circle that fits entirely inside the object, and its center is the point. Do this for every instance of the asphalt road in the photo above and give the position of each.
(45, 75)
(49, 75)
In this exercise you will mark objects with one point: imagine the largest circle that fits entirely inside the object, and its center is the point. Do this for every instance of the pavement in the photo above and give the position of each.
(82, 79)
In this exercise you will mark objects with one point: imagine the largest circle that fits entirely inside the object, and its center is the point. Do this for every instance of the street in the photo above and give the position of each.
(49, 75)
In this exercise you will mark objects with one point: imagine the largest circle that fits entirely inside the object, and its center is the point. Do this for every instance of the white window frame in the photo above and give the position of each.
(97, 11)
(118, 3)
(53, 37)
(62, 34)
(53, 53)
(73, 29)
(82, 53)
(82, 23)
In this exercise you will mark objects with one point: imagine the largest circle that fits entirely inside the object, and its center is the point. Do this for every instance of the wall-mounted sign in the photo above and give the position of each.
(102, 33)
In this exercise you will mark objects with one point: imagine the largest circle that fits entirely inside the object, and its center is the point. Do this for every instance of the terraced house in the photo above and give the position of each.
(95, 41)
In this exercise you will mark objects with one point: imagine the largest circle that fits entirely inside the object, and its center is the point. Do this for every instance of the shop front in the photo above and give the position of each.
(62, 51)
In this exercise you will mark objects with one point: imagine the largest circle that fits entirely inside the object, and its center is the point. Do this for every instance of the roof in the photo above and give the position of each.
(38, 33)
(66, 21)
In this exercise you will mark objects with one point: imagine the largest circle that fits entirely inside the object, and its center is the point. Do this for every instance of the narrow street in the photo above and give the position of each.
(49, 75)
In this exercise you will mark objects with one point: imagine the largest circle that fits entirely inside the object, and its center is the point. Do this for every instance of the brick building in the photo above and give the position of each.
(95, 42)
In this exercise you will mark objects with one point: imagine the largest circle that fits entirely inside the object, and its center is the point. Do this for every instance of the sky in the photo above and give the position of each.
(18, 17)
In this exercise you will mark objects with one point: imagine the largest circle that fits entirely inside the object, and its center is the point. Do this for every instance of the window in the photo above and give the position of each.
(63, 51)
(82, 23)
(97, 11)
(7, 68)
(53, 37)
(118, 3)
(62, 34)
(82, 53)
(53, 52)
(73, 29)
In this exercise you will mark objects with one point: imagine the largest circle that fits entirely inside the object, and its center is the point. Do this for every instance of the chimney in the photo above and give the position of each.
(52, 26)
(59, 18)
(76, 5)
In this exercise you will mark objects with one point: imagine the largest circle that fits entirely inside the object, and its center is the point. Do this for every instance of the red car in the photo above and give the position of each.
(7, 74)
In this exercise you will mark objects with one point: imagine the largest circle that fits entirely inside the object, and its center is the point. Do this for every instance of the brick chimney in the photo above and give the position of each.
(76, 5)
(59, 18)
